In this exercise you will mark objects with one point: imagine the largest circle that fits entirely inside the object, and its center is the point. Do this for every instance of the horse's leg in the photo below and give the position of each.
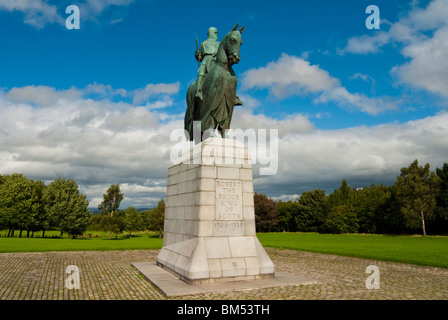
(208, 133)
(222, 131)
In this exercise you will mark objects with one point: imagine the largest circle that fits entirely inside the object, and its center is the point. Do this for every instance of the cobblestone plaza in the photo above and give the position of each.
(108, 275)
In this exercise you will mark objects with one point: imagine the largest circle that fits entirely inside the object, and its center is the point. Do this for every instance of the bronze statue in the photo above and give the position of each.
(213, 106)
(205, 55)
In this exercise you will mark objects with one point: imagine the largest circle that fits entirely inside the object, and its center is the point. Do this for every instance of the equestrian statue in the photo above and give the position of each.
(211, 98)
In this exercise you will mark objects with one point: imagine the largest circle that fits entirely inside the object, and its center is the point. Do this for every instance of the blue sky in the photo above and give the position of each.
(97, 104)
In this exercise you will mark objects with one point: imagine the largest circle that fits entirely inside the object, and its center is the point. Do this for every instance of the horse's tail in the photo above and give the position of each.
(190, 113)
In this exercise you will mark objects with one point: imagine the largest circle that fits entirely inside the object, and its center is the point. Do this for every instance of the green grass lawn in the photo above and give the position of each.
(428, 251)
(141, 241)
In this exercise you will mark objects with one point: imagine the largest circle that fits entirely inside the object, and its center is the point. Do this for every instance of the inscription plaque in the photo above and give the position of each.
(229, 200)
(229, 228)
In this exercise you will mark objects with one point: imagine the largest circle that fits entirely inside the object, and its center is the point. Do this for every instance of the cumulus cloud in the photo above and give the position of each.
(46, 133)
(40, 12)
(101, 142)
(428, 66)
(362, 155)
(291, 75)
(162, 91)
(365, 44)
(41, 95)
(103, 90)
(37, 12)
(423, 32)
(292, 123)
(356, 101)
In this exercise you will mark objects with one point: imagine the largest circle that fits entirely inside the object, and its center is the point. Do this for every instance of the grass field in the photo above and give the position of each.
(429, 251)
(141, 241)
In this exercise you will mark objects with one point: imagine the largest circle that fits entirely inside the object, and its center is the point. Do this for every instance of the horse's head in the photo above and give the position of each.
(232, 43)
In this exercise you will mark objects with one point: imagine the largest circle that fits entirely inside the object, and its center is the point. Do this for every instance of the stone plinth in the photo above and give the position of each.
(209, 230)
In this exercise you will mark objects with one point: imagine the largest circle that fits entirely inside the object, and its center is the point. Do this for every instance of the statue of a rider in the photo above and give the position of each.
(204, 55)
(211, 98)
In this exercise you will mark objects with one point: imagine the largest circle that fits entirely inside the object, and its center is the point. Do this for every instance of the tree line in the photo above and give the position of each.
(115, 221)
(28, 205)
(416, 203)
(31, 206)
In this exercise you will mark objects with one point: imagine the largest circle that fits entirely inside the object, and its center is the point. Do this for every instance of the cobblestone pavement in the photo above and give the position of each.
(108, 275)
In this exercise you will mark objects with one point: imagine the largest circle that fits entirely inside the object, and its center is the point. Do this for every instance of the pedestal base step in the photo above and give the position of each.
(171, 286)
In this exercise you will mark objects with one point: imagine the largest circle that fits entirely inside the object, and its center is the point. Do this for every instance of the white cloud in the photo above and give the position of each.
(291, 75)
(356, 101)
(156, 90)
(104, 90)
(362, 155)
(41, 95)
(99, 143)
(46, 133)
(39, 12)
(244, 118)
(399, 31)
(423, 32)
(428, 67)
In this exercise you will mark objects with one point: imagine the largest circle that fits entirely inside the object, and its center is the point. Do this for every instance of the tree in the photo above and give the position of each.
(388, 216)
(2, 213)
(156, 218)
(95, 222)
(417, 187)
(134, 221)
(114, 224)
(340, 196)
(441, 211)
(38, 219)
(112, 220)
(266, 213)
(341, 217)
(287, 211)
(66, 207)
(367, 203)
(16, 202)
(311, 210)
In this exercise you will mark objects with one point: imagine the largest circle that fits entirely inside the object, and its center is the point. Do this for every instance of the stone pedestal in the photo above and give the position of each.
(209, 231)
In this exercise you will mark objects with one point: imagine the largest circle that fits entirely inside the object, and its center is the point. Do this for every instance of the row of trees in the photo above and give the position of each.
(31, 206)
(416, 202)
(115, 221)
(28, 205)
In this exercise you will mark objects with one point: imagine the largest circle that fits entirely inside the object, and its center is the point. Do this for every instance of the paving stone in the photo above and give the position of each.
(109, 275)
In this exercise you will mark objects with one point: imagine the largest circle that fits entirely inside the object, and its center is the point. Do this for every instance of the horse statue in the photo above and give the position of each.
(215, 109)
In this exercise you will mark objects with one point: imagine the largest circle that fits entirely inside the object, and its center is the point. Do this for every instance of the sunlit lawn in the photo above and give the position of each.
(140, 241)
(430, 250)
